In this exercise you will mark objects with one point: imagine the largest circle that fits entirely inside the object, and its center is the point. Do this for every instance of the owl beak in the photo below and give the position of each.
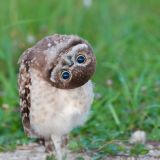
(68, 61)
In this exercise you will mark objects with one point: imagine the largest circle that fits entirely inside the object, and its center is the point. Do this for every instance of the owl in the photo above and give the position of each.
(55, 89)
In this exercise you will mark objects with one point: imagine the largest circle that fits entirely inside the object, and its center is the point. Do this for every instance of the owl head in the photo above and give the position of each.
(65, 61)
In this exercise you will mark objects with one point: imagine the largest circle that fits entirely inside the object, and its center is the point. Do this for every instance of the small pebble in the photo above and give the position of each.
(138, 137)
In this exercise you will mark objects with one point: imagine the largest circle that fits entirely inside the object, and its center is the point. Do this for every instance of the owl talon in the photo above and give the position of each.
(49, 148)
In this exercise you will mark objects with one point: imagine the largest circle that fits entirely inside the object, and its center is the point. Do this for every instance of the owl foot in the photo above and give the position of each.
(49, 147)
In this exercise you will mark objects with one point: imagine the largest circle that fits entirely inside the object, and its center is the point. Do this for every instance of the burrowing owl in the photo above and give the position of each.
(55, 87)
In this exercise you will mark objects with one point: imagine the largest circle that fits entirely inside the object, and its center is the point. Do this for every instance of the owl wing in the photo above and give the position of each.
(24, 82)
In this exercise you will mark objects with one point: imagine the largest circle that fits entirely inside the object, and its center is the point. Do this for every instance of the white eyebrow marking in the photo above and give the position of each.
(79, 47)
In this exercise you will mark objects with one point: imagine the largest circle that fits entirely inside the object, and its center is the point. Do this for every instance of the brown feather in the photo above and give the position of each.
(24, 81)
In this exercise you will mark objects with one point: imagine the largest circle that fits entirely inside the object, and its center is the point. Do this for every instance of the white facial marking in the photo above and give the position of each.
(78, 47)
(52, 78)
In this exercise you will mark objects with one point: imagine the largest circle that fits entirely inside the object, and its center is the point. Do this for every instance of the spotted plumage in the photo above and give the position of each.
(55, 88)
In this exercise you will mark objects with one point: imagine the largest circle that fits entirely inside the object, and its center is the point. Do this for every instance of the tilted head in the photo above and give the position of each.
(65, 61)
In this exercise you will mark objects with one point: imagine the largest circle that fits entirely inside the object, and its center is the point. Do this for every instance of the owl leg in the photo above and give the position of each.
(57, 141)
(64, 141)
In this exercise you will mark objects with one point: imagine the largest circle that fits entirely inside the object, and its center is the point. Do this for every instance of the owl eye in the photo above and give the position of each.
(66, 75)
(81, 59)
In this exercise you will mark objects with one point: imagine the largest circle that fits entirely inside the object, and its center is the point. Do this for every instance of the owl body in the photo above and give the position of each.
(55, 87)
(58, 111)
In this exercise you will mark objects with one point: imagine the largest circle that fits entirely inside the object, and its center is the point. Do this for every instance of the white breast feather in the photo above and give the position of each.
(58, 111)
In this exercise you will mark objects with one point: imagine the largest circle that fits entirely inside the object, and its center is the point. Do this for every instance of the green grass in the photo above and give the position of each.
(125, 36)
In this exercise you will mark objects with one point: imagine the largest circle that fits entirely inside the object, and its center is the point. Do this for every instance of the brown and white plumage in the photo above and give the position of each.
(24, 82)
(55, 89)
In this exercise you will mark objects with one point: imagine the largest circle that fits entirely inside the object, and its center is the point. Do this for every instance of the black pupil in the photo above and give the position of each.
(65, 75)
(80, 59)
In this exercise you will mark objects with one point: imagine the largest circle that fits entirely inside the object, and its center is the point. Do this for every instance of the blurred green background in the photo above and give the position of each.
(125, 36)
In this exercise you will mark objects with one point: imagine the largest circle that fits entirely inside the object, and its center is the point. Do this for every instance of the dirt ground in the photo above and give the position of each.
(36, 152)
